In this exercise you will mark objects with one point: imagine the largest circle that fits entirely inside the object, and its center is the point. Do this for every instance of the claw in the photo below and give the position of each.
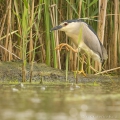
(80, 72)
(68, 47)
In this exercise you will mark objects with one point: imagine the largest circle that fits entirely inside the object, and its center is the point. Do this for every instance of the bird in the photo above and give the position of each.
(84, 37)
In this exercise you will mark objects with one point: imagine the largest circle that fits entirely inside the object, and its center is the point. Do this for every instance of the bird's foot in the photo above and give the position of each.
(67, 47)
(80, 72)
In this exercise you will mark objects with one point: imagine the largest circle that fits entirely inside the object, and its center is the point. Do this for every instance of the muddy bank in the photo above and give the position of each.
(11, 71)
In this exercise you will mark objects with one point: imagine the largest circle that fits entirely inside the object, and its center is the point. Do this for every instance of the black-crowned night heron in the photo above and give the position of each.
(84, 37)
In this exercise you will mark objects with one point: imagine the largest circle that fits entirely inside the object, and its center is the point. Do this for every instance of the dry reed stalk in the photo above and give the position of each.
(109, 38)
(8, 34)
(10, 40)
(3, 21)
(18, 22)
(101, 25)
(31, 34)
(40, 42)
(102, 18)
(17, 13)
(80, 6)
(116, 3)
(53, 14)
(31, 56)
(55, 22)
(119, 40)
(19, 42)
(106, 71)
(74, 61)
(10, 52)
(8, 30)
(10, 49)
(71, 54)
(113, 28)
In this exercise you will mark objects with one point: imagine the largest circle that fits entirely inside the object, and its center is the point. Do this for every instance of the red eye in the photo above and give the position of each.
(65, 24)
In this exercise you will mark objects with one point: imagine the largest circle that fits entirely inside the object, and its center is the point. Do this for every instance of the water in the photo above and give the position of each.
(57, 101)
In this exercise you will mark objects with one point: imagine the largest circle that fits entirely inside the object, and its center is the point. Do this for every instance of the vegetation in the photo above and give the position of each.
(25, 31)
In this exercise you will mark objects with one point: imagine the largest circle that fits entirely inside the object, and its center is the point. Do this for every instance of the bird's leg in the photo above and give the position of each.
(82, 71)
(68, 47)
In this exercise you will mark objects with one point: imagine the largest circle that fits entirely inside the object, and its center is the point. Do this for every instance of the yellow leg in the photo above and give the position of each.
(81, 71)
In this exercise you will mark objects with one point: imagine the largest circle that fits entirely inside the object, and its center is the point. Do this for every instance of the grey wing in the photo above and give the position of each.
(104, 52)
(91, 40)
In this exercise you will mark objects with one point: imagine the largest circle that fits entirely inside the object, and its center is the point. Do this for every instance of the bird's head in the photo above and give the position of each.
(68, 25)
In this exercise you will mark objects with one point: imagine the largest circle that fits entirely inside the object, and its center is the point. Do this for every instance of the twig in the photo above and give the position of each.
(87, 18)
(8, 34)
(10, 52)
(107, 71)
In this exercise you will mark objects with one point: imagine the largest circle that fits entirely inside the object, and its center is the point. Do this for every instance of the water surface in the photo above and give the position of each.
(58, 101)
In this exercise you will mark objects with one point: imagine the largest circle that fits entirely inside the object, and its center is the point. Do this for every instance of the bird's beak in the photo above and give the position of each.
(56, 28)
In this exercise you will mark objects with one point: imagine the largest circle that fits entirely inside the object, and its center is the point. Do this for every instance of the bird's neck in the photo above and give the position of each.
(74, 38)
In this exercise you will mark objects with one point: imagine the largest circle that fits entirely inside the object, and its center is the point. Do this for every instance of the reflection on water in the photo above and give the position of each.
(60, 101)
